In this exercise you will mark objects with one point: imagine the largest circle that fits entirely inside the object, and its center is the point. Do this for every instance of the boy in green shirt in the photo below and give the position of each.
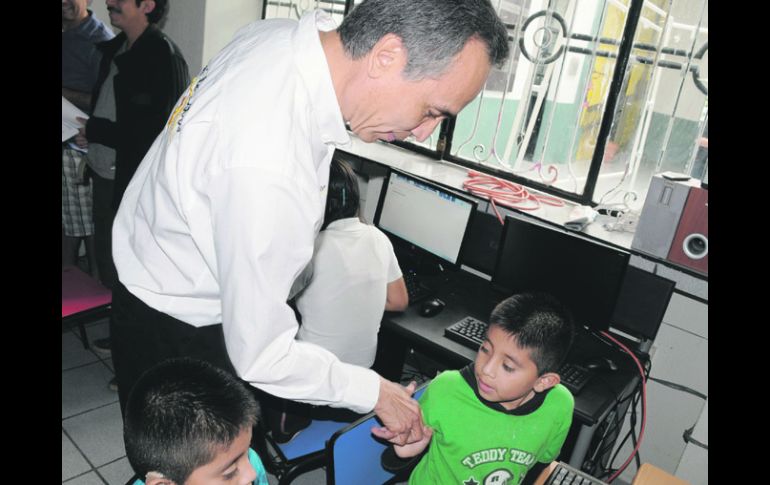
(491, 421)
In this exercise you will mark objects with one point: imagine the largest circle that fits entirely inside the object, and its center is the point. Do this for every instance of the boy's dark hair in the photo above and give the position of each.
(181, 413)
(342, 199)
(540, 323)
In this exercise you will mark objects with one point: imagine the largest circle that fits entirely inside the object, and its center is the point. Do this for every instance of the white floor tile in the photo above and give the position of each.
(98, 434)
(73, 354)
(117, 473)
(90, 478)
(86, 388)
(72, 461)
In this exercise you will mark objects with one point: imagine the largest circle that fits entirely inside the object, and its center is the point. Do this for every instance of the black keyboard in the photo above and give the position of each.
(415, 288)
(469, 332)
(564, 474)
(574, 377)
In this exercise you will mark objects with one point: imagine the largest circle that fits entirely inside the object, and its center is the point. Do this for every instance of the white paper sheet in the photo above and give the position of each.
(69, 125)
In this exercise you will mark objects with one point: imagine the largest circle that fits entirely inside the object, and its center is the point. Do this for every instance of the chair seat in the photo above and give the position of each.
(82, 299)
(80, 292)
(311, 439)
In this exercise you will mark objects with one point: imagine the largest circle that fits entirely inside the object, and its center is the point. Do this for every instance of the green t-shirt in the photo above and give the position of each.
(480, 443)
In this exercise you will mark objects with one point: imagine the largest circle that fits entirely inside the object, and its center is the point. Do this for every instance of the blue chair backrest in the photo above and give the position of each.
(354, 453)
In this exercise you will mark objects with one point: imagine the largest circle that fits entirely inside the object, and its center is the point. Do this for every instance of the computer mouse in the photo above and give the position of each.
(601, 363)
(431, 308)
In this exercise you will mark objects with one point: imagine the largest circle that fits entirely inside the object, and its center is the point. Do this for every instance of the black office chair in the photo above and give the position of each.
(354, 454)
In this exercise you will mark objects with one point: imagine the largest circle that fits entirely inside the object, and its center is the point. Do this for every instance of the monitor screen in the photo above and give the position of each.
(424, 215)
(642, 303)
(584, 275)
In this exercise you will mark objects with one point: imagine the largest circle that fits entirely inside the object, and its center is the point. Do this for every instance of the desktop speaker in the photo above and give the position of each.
(661, 213)
(691, 242)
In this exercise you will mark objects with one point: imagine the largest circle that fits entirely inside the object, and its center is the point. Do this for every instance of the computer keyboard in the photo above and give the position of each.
(469, 332)
(574, 377)
(415, 288)
(564, 474)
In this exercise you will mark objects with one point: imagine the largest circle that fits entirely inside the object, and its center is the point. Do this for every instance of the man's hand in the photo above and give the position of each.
(400, 414)
(80, 138)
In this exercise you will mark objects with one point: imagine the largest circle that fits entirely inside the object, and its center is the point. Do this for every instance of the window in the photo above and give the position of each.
(595, 98)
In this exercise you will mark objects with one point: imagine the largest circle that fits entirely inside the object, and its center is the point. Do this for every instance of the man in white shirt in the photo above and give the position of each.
(222, 214)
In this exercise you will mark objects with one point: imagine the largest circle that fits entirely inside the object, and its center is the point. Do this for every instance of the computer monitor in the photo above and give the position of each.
(584, 275)
(642, 303)
(425, 216)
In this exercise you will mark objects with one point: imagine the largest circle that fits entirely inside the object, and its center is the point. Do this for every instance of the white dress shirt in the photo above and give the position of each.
(342, 306)
(222, 213)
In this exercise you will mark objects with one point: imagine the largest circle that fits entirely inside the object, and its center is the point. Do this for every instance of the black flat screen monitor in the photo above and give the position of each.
(642, 303)
(584, 275)
(423, 215)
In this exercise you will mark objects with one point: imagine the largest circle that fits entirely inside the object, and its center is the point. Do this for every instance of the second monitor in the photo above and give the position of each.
(584, 275)
(425, 216)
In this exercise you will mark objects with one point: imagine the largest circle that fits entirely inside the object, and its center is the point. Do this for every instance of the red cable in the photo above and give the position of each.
(644, 405)
(505, 193)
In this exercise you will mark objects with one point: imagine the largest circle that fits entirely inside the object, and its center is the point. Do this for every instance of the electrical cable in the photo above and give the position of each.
(644, 403)
(630, 433)
(503, 192)
(679, 387)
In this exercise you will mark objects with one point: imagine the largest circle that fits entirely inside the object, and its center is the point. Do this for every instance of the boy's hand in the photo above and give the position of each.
(400, 414)
(414, 449)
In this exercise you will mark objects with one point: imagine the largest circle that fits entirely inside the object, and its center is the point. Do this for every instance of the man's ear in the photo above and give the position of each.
(147, 6)
(547, 381)
(387, 56)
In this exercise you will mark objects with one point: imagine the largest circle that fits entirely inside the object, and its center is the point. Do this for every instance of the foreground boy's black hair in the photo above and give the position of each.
(181, 413)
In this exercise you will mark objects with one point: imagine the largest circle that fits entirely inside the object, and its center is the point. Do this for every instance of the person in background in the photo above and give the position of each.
(81, 30)
(355, 279)
(141, 75)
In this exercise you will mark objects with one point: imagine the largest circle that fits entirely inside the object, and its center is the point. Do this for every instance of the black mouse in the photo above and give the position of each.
(602, 363)
(431, 307)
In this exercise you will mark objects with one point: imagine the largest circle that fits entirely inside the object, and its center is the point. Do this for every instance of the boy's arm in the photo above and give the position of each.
(414, 449)
(397, 297)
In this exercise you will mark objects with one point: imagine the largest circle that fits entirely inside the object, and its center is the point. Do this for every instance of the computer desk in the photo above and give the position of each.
(469, 295)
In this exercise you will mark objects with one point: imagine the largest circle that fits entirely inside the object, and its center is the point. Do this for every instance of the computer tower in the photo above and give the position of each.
(661, 213)
(690, 245)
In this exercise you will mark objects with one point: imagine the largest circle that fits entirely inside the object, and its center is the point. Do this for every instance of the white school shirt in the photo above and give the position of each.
(222, 213)
(342, 306)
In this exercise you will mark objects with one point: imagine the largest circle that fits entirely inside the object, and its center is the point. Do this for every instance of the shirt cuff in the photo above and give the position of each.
(363, 388)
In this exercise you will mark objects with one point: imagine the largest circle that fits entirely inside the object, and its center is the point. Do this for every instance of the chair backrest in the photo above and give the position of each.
(354, 453)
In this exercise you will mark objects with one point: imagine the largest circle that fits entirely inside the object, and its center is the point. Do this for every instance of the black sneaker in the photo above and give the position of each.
(102, 346)
(113, 385)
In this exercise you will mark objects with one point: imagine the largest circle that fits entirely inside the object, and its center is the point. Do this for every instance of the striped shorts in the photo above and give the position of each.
(76, 199)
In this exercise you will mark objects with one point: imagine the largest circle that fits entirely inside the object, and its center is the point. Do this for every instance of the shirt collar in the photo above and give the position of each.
(527, 408)
(345, 224)
(314, 70)
(84, 27)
